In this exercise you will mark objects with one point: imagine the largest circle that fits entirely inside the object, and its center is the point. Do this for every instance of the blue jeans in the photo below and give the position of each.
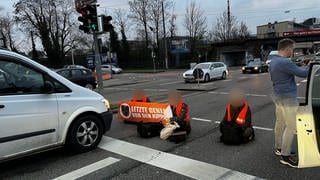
(285, 126)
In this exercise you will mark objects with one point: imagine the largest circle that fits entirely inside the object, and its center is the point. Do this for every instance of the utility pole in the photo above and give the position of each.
(229, 19)
(34, 51)
(98, 62)
(165, 39)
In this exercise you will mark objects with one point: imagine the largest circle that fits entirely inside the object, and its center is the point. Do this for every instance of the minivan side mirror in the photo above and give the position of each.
(48, 87)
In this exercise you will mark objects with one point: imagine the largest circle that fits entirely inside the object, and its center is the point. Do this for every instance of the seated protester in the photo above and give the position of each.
(236, 127)
(180, 111)
(139, 96)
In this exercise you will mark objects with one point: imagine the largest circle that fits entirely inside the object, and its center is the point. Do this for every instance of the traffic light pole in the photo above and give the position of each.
(98, 63)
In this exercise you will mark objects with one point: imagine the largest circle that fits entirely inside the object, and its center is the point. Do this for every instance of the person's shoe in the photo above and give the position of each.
(289, 160)
(278, 152)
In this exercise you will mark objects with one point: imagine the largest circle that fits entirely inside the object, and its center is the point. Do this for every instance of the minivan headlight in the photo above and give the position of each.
(243, 68)
(256, 68)
(106, 103)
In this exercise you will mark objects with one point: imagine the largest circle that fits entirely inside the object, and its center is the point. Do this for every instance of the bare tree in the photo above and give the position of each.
(172, 25)
(139, 10)
(6, 32)
(243, 30)
(54, 23)
(195, 23)
(221, 32)
(121, 19)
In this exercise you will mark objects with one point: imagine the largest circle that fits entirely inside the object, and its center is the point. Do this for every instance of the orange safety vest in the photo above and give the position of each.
(144, 99)
(241, 119)
(179, 109)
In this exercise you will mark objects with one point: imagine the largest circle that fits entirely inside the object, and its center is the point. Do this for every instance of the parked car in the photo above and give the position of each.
(109, 68)
(80, 76)
(206, 72)
(255, 67)
(73, 66)
(41, 110)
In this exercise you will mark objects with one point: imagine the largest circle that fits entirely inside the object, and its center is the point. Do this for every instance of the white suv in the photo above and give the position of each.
(40, 109)
(206, 71)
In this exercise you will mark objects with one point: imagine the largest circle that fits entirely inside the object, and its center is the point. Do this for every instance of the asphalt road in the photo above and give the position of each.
(124, 155)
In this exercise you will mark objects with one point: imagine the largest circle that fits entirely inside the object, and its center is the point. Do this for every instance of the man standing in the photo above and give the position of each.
(283, 72)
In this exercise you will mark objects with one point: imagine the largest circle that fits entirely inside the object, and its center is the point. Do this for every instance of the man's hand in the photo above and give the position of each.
(306, 62)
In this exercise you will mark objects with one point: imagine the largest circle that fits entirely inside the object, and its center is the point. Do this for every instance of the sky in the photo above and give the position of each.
(252, 12)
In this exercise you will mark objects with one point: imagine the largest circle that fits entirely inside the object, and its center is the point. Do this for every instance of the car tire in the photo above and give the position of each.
(243, 72)
(113, 72)
(224, 75)
(207, 78)
(89, 86)
(186, 81)
(84, 134)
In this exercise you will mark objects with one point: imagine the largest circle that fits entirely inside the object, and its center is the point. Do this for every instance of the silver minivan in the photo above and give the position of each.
(40, 109)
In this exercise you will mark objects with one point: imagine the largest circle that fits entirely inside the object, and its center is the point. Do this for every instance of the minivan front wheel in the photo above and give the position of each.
(85, 134)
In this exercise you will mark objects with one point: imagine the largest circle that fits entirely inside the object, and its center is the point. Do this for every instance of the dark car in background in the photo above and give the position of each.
(73, 66)
(255, 67)
(80, 76)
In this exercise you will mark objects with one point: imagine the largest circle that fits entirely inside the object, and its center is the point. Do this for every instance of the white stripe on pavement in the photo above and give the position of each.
(304, 81)
(88, 169)
(168, 83)
(178, 164)
(200, 119)
(252, 95)
(255, 127)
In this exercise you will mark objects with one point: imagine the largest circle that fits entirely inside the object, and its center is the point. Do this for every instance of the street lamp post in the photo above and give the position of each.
(72, 56)
(153, 54)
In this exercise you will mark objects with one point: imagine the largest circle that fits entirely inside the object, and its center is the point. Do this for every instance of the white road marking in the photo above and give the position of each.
(255, 127)
(200, 119)
(256, 95)
(168, 83)
(304, 81)
(214, 92)
(184, 96)
(88, 169)
(298, 84)
(132, 89)
(252, 95)
(174, 163)
(227, 80)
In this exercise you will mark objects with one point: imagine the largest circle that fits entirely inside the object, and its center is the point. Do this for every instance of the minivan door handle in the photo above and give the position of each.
(2, 106)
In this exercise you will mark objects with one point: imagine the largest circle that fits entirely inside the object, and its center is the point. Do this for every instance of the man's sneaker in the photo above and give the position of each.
(289, 160)
(278, 152)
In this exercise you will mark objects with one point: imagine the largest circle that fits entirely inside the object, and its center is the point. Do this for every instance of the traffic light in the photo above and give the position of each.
(107, 26)
(93, 17)
(85, 26)
(88, 18)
